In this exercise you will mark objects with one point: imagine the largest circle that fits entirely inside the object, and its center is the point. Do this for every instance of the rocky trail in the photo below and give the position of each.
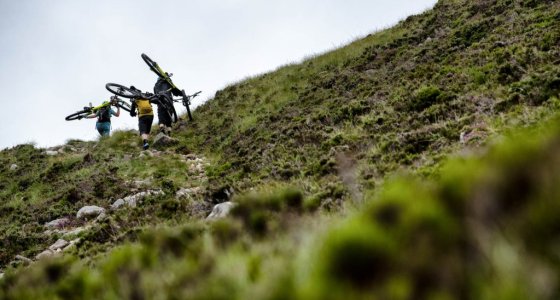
(69, 228)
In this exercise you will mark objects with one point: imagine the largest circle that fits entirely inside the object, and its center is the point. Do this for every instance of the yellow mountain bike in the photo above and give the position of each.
(88, 110)
(186, 99)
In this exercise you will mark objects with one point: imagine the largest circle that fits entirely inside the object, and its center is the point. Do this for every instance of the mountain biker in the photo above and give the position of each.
(143, 108)
(163, 86)
(103, 116)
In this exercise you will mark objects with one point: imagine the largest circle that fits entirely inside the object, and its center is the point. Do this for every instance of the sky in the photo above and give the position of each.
(56, 56)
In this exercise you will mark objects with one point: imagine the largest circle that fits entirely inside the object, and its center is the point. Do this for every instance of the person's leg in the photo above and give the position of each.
(145, 126)
(164, 120)
(104, 128)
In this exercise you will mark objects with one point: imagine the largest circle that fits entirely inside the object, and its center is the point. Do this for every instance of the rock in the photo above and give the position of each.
(142, 183)
(23, 259)
(89, 212)
(1, 275)
(51, 153)
(45, 254)
(102, 216)
(58, 245)
(190, 157)
(74, 231)
(500, 44)
(58, 223)
(133, 200)
(118, 203)
(221, 210)
(71, 245)
(187, 192)
(162, 140)
(13, 167)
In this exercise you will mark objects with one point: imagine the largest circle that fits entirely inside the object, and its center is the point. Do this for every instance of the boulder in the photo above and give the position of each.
(58, 223)
(187, 192)
(13, 167)
(87, 212)
(74, 232)
(45, 254)
(117, 204)
(162, 140)
(221, 210)
(102, 216)
(1, 275)
(51, 152)
(133, 200)
(58, 245)
(24, 259)
(71, 245)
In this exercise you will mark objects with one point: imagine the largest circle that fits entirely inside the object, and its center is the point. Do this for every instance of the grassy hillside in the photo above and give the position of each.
(400, 97)
(420, 162)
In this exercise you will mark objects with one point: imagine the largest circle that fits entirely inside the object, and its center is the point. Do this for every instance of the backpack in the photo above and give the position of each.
(144, 107)
(104, 115)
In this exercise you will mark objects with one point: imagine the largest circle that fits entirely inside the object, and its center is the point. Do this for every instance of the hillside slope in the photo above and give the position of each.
(402, 96)
(343, 173)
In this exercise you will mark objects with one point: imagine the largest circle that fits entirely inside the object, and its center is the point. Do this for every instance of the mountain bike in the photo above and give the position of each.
(133, 93)
(174, 89)
(88, 110)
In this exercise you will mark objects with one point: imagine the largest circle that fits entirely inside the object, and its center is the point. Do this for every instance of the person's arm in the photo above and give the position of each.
(133, 109)
(91, 116)
(118, 113)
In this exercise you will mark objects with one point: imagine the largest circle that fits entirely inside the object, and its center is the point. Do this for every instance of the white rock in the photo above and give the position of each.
(1, 275)
(58, 223)
(133, 200)
(118, 203)
(89, 212)
(102, 216)
(13, 167)
(75, 231)
(71, 245)
(221, 210)
(184, 192)
(51, 153)
(45, 254)
(23, 259)
(58, 245)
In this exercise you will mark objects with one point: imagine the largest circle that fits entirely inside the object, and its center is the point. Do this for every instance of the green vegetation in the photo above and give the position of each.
(420, 162)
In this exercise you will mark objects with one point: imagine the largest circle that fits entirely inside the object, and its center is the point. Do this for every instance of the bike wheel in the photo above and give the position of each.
(153, 66)
(187, 103)
(188, 111)
(167, 103)
(78, 115)
(121, 90)
(124, 105)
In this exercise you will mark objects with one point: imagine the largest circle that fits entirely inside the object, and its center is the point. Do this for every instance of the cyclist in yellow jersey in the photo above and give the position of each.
(143, 108)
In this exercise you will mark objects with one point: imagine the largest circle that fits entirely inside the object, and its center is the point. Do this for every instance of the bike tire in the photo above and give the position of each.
(189, 111)
(153, 66)
(167, 103)
(78, 115)
(186, 103)
(121, 90)
(125, 105)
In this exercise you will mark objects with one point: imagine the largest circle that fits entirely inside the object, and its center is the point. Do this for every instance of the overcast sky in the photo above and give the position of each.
(57, 55)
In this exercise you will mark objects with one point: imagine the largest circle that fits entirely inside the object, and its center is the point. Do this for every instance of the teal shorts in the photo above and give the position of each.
(104, 128)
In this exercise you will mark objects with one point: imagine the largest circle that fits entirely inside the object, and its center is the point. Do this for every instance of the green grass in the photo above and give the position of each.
(344, 171)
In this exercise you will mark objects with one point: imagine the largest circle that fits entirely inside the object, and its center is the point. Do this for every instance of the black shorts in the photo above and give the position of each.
(145, 124)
